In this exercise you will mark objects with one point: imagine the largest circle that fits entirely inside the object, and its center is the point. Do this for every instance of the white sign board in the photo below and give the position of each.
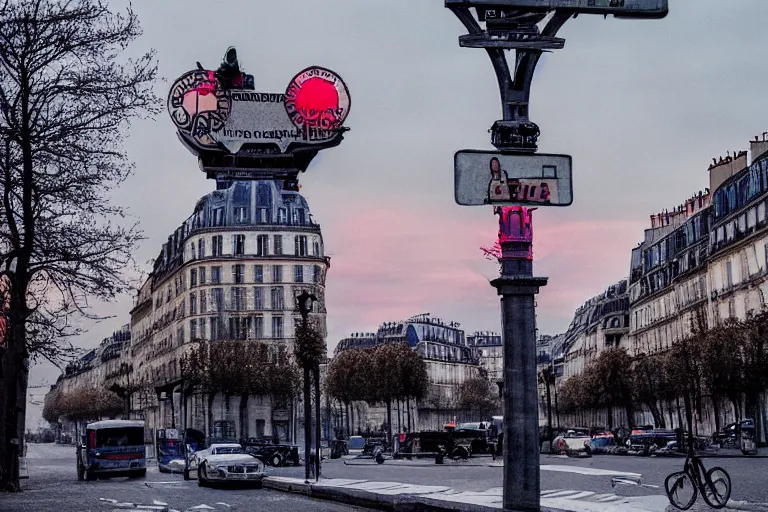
(257, 118)
(504, 179)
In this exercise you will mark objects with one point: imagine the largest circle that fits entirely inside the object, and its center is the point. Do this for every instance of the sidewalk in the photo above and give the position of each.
(397, 497)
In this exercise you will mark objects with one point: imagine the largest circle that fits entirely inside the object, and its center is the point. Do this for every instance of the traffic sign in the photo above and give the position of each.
(508, 179)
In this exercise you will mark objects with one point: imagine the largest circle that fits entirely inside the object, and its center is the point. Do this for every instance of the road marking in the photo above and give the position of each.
(155, 502)
(587, 471)
(201, 507)
(222, 503)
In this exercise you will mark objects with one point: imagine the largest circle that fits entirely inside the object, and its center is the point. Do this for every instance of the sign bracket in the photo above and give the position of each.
(515, 132)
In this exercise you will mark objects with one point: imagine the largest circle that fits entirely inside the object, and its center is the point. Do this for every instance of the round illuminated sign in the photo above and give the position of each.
(317, 98)
(198, 106)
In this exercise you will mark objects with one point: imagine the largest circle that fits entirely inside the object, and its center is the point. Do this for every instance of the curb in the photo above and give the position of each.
(371, 500)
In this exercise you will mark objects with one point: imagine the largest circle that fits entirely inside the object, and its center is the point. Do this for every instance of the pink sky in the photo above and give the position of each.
(396, 263)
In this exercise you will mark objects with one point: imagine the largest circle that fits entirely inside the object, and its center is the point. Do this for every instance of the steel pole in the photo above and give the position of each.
(317, 422)
(517, 288)
(307, 424)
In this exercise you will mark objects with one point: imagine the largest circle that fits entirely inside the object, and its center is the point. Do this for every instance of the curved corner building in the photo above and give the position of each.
(230, 271)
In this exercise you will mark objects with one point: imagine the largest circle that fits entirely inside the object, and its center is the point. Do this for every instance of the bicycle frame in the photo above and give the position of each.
(701, 480)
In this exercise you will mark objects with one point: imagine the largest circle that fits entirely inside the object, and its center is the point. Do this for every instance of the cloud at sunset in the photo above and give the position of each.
(390, 264)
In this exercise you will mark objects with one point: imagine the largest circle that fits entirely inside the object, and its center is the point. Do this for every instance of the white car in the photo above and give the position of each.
(229, 465)
(214, 449)
(573, 443)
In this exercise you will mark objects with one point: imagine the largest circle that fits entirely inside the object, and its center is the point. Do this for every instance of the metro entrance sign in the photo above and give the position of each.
(499, 179)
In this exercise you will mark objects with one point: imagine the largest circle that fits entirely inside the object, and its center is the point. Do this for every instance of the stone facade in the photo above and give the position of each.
(706, 261)
(232, 270)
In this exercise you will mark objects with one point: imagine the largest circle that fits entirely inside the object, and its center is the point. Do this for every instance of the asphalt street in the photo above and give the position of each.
(53, 484)
(749, 476)
(53, 487)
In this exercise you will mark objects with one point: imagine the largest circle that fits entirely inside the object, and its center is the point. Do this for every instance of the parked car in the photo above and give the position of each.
(645, 442)
(228, 465)
(214, 449)
(574, 443)
(270, 453)
(603, 443)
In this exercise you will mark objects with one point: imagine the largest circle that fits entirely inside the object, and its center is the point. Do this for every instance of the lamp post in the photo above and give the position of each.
(305, 301)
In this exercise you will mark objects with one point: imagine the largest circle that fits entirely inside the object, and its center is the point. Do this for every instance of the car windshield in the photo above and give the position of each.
(228, 450)
(602, 441)
(127, 436)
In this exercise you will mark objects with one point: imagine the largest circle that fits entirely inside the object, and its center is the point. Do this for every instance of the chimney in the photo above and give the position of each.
(758, 147)
(726, 168)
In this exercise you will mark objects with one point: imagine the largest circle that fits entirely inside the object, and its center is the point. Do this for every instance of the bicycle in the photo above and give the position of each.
(713, 484)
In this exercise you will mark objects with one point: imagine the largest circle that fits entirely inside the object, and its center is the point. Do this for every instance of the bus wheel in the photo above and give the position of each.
(80, 472)
(89, 476)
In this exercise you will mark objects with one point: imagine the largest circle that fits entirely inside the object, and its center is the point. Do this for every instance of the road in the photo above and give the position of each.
(748, 475)
(53, 487)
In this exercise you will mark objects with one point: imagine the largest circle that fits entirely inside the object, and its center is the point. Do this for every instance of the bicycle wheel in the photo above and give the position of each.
(681, 490)
(717, 484)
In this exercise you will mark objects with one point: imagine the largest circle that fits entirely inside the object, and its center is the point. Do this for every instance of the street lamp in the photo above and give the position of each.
(305, 302)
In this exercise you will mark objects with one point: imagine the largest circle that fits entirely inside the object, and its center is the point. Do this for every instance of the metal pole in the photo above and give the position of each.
(317, 423)
(517, 288)
(184, 430)
(307, 424)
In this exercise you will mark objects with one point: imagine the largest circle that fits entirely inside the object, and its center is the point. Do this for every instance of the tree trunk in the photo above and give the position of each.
(307, 423)
(173, 411)
(716, 411)
(630, 411)
(316, 371)
(349, 426)
(658, 406)
(609, 417)
(209, 420)
(763, 421)
(14, 373)
(389, 422)
(736, 403)
(227, 409)
(408, 403)
(549, 416)
(399, 416)
(688, 404)
(752, 410)
(244, 416)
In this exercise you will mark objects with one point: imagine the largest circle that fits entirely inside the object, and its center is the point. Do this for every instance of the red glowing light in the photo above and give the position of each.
(317, 98)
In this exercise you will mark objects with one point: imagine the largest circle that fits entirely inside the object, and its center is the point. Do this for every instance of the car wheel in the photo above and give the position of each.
(258, 485)
(89, 476)
(201, 478)
(276, 460)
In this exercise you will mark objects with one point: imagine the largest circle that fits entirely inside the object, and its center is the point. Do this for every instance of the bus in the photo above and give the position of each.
(112, 448)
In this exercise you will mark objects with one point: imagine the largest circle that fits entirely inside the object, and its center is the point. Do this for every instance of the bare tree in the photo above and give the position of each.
(66, 101)
(476, 394)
